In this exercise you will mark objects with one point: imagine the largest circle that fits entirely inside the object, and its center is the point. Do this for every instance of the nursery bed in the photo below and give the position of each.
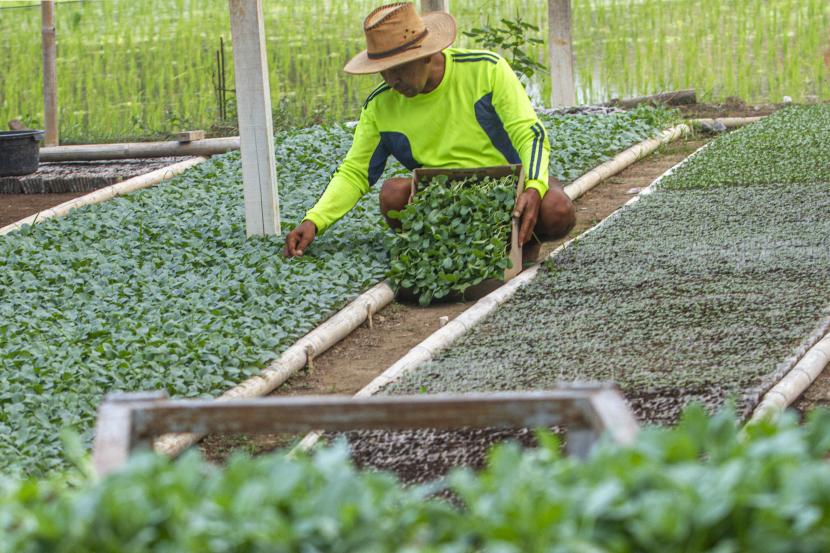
(161, 290)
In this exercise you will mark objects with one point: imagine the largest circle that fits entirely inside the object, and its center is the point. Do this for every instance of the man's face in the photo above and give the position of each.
(409, 79)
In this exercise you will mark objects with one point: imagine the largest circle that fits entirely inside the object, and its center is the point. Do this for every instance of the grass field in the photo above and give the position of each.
(143, 69)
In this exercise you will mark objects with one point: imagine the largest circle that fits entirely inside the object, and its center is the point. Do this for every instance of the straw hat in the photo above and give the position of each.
(396, 34)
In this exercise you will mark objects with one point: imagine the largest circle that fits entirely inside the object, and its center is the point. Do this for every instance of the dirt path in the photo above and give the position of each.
(365, 353)
(14, 207)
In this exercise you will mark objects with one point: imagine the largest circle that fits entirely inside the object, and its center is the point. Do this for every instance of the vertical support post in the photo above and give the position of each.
(560, 48)
(50, 78)
(256, 128)
(114, 436)
(435, 6)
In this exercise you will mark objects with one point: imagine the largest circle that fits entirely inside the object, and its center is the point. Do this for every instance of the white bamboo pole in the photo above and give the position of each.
(139, 150)
(622, 160)
(50, 74)
(729, 122)
(119, 189)
(560, 50)
(795, 382)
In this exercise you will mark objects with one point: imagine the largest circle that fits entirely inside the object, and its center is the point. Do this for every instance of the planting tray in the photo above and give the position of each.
(422, 175)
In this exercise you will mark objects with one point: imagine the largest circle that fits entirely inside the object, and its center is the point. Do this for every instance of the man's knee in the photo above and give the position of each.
(394, 195)
(557, 215)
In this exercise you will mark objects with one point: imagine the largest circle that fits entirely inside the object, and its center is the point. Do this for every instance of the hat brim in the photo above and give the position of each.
(441, 34)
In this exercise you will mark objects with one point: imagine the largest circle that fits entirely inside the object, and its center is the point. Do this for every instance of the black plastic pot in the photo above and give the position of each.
(19, 152)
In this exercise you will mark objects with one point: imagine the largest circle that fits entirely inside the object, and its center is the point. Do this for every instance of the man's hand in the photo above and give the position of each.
(298, 239)
(527, 211)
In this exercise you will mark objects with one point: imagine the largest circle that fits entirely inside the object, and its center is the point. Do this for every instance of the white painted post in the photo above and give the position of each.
(560, 47)
(435, 6)
(256, 128)
(50, 78)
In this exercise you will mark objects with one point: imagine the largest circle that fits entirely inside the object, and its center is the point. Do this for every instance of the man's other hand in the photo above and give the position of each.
(527, 211)
(298, 239)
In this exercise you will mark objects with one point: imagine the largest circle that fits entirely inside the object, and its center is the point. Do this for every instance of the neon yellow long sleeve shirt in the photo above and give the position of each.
(478, 116)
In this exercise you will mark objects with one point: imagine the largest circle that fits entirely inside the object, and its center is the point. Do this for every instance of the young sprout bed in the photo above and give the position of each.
(161, 290)
(697, 292)
(702, 486)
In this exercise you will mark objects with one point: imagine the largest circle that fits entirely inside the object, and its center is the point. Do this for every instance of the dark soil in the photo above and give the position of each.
(81, 176)
(421, 456)
(731, 107)
(14, 207)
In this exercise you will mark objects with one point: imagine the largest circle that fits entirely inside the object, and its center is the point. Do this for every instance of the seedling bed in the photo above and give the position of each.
(686, 296)
(161, 290)
(58, 178)
(706, 294)
(695, 295)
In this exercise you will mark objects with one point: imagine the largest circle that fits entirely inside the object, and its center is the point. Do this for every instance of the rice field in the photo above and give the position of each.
(144, 69)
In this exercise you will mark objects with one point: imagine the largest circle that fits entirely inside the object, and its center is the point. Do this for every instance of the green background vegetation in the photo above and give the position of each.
(144, 69)
(700, 487)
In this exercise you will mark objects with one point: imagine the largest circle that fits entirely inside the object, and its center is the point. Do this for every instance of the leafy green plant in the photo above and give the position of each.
(453, 235)
(580, 142)
(161, 289)
(702, 486)
(512, 38)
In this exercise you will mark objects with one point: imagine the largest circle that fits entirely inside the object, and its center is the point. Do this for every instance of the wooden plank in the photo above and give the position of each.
(50, 77)
(190, 136)
(256, 129)
(560, 48)
(611, 413)
(342, 413)
(435, 6)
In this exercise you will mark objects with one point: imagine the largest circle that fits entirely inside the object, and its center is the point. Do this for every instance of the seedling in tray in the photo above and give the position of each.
(457, 232)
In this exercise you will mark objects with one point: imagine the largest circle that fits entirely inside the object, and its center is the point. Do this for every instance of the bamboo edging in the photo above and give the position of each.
(119, 189)
(139, 150)
(794, 382)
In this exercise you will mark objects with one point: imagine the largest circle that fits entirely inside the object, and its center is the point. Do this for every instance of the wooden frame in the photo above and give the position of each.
(130, 421)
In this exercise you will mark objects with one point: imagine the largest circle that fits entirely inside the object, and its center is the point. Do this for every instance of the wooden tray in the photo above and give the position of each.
(420, 175)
